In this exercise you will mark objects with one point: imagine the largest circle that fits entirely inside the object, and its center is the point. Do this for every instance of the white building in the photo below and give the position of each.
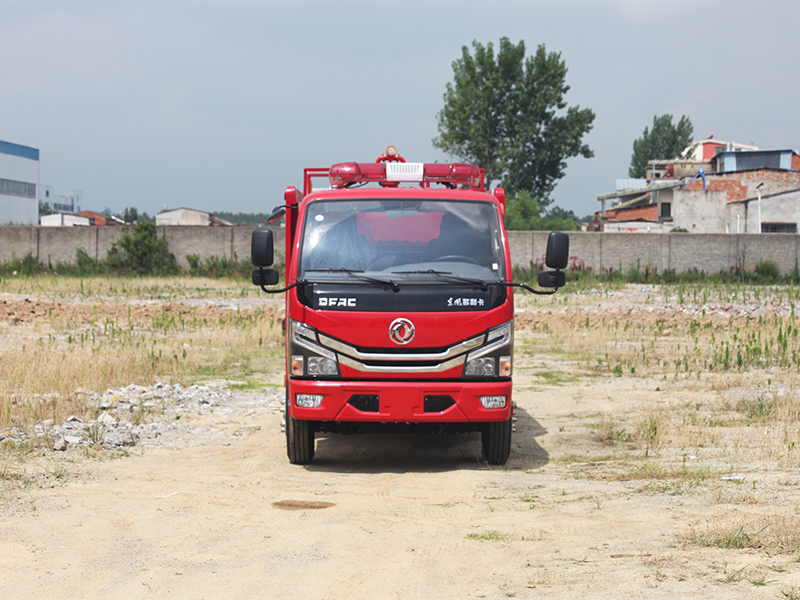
(69, 202)
(189, 216)
(19, 180)
(64, 220)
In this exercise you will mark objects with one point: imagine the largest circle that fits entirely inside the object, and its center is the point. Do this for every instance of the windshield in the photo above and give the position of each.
(402, 239)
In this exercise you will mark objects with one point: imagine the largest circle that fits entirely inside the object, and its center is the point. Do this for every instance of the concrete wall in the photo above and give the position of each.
(599, 252)
(776, 208)
(699, 211)
(51, 245)
(679, 252)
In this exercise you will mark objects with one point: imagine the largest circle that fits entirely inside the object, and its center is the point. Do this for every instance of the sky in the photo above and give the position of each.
(221, 105)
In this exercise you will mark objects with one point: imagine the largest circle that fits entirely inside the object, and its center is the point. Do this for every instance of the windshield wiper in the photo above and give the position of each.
(359, 274)
(447, 276)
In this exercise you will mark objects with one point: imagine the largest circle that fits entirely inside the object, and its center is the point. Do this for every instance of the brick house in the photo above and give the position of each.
(738, 189)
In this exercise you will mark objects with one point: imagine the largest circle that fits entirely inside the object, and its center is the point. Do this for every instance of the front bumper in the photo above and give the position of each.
(401, 401)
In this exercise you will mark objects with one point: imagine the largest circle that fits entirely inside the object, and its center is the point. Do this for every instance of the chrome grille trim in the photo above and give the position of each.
(346, 350)
(359, 366)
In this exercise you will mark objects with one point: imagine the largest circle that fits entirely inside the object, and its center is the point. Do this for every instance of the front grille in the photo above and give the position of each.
(397, 360)
(365, 402)
(417, 364)
(435, 404)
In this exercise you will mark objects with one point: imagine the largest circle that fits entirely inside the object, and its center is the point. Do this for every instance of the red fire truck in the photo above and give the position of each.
(399, 302)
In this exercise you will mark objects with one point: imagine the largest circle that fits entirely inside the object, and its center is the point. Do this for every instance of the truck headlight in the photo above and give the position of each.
(480, 367)
(494, 358)
(318, 365)
(309, 357)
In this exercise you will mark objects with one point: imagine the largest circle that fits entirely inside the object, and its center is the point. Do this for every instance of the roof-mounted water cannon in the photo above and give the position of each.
(390, 155)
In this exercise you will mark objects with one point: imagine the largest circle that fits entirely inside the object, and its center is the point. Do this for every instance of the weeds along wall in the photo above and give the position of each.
(53, 245)
(600, 252)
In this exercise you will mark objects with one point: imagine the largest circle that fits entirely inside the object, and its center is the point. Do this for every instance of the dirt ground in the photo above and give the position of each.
(398, 516)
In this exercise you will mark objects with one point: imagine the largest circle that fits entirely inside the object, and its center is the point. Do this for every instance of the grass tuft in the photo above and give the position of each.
(489, 535)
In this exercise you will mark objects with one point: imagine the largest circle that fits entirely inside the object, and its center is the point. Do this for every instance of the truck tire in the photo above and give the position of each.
(496, 438)
(299, 440)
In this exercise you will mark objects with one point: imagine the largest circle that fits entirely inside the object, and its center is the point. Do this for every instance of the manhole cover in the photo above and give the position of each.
(301, 505)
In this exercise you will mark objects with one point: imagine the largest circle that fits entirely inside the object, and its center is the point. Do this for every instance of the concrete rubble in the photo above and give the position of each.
(153, 417)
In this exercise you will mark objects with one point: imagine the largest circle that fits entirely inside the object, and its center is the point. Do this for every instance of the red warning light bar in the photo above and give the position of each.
(455, 174)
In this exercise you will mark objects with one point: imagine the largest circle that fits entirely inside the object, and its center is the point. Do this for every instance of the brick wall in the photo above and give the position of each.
(741, 185)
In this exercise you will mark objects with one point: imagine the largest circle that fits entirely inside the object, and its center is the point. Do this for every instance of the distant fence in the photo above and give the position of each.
(599, 252)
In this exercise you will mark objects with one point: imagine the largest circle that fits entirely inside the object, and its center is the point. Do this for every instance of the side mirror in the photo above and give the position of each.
(277, 213)
(262, 277)
(261, 248)
(557, 255)
(552, 279)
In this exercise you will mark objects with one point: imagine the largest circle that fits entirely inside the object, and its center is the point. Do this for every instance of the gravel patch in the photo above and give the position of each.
(155, 417)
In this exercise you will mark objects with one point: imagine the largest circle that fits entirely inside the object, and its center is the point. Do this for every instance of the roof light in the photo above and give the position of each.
(391, 169)
(342, 174)
(458, 173)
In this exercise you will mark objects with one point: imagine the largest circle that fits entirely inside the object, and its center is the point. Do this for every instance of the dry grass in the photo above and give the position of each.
(489, 535)
(44, 364)
(675, 338)
(725, 337)
(146, 288)
(777, 533)
(737, 347)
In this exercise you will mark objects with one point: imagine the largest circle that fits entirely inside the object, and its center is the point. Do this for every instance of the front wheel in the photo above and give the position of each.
(496, 438)
(299, 440)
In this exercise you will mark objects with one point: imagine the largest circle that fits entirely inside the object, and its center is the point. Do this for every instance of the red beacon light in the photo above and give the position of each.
(390, 169)
(344, 174)
(455, 173)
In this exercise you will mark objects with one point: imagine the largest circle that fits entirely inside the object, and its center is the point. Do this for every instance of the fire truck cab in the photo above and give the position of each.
(399, 302)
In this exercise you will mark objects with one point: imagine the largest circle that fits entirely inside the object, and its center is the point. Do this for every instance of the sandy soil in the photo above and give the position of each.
(397, 517)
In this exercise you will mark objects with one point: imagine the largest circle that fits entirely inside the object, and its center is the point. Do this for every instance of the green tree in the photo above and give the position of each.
(44, 209)
(525, 213)
(139, 250)
(130, 215)
(663, 142)
(507, 114)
